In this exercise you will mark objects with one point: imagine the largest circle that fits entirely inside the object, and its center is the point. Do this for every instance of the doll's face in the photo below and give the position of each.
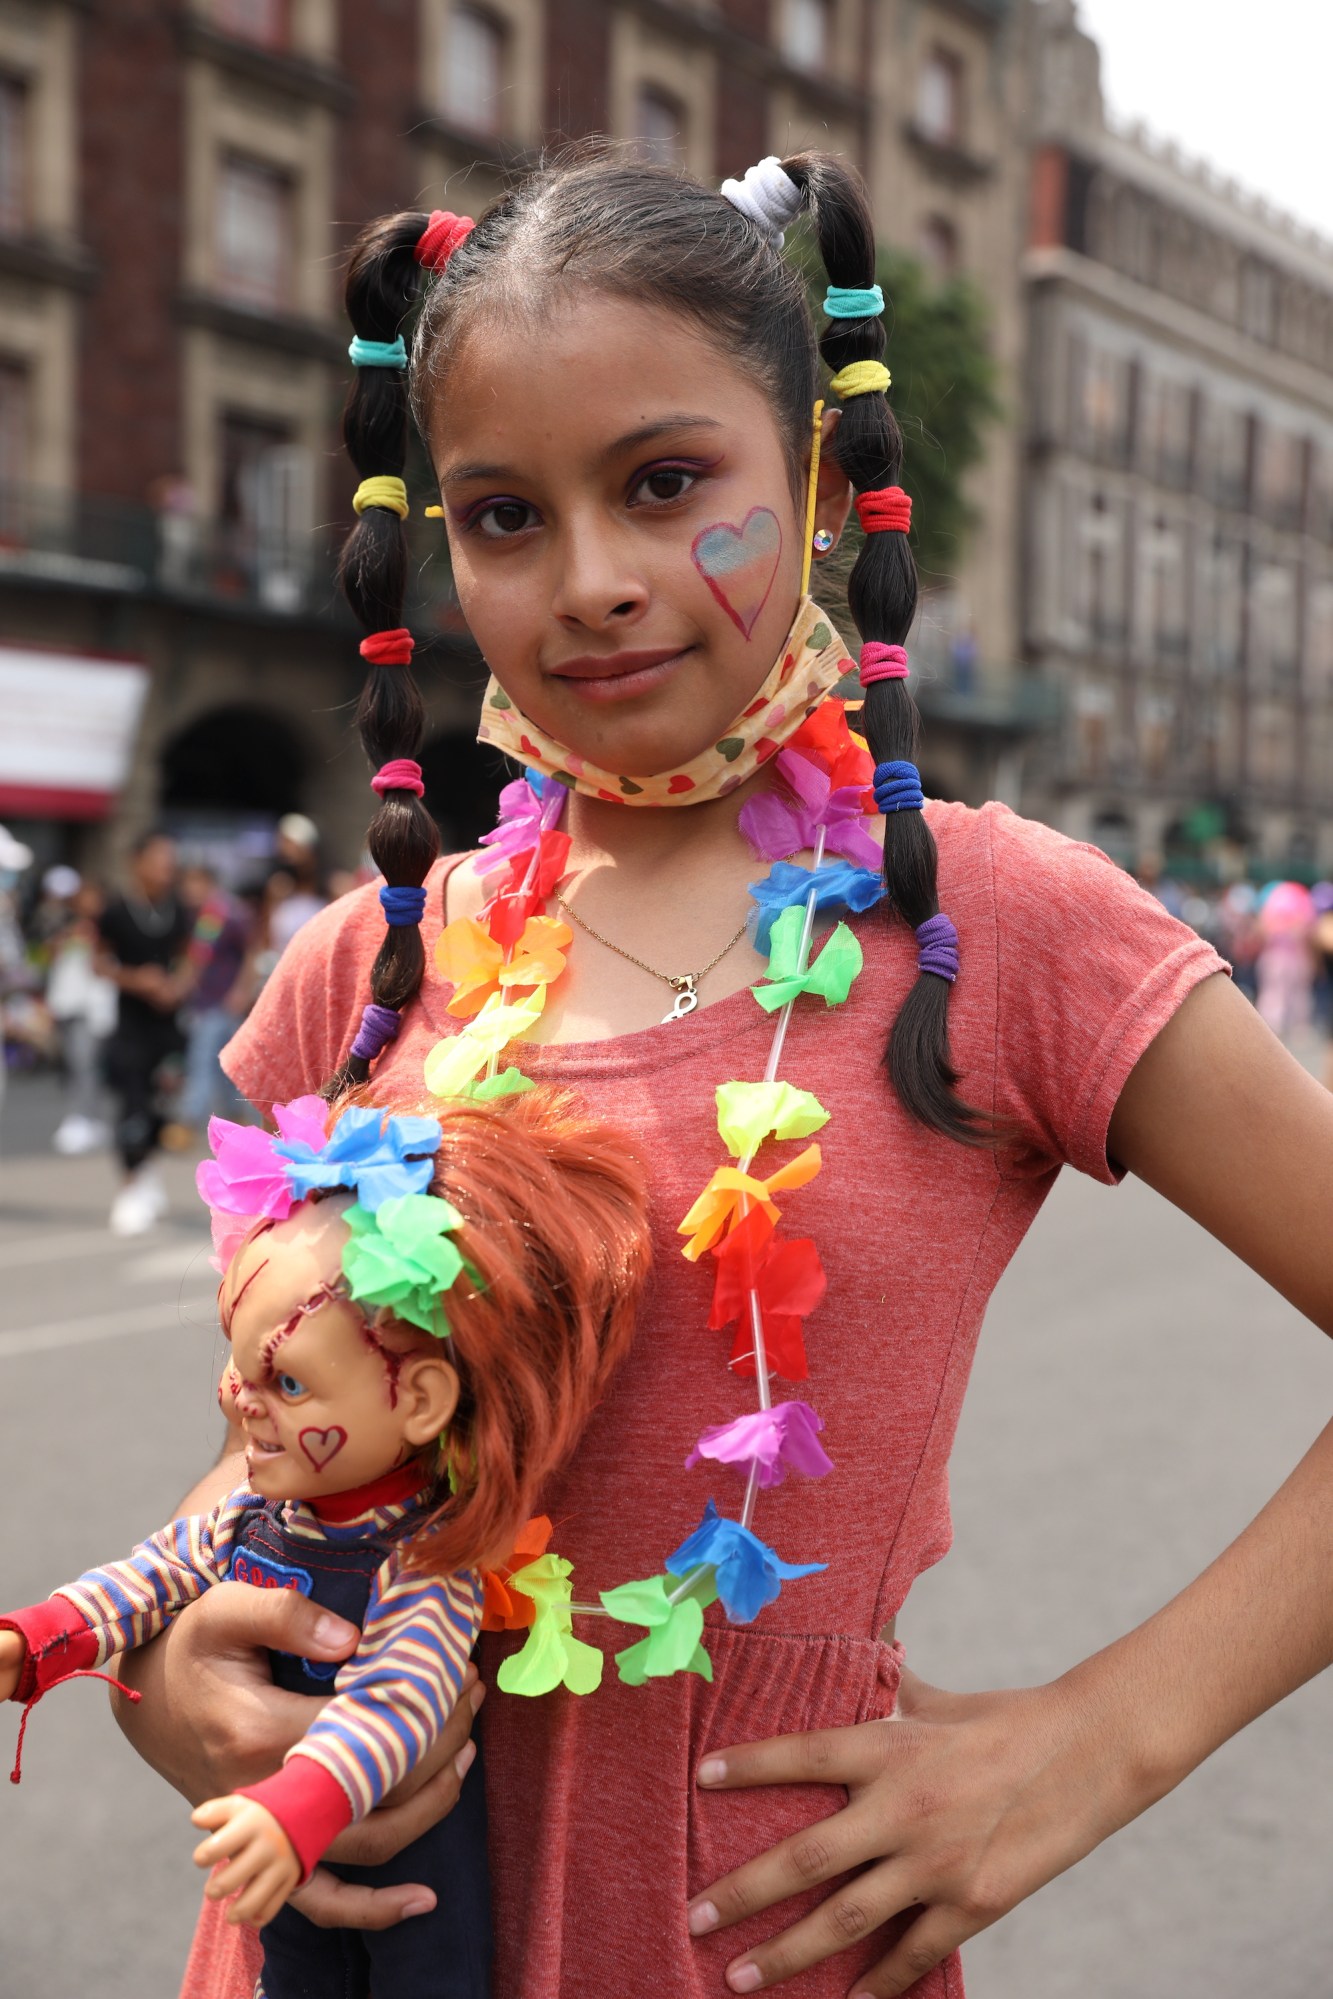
(325, 1402)
(622, 525)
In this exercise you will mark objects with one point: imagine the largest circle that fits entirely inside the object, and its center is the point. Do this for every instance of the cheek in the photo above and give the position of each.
(321, 1446)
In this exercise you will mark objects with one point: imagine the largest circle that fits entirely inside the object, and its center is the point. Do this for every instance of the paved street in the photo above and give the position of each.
(1137, 1396)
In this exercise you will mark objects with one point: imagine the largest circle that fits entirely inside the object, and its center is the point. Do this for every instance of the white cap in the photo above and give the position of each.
(301, 831)
(769, 197)
(14, 856)
(62, 881)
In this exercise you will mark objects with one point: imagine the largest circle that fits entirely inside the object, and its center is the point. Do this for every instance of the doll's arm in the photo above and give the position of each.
(108, 1610)
(393, 1697)
(263, 1869)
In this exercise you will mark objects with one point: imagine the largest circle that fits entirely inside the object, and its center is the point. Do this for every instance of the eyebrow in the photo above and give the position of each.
(646, 433)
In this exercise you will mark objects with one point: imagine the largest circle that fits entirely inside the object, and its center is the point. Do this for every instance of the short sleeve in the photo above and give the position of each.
(1089, 969)
(295, 1035)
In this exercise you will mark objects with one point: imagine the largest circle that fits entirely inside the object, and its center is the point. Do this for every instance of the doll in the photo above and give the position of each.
(422, 1312)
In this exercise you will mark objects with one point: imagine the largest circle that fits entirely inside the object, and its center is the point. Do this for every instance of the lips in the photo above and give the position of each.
(259, 1448)
(613, 665)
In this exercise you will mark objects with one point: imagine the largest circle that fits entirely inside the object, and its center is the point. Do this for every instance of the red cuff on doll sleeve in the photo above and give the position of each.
(309, 1804)
(59, 1640)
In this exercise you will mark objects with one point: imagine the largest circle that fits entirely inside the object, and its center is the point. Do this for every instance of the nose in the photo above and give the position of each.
(248, 1403)
(599, 588)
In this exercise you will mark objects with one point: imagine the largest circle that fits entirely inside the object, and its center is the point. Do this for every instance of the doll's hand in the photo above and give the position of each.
(12, 1653)
(958, 1808)
(261, 1869)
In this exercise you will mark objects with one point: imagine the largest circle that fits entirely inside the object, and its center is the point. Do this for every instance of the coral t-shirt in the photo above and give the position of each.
(599, 1835)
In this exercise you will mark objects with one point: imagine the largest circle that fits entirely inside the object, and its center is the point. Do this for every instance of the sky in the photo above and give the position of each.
(1243, 84)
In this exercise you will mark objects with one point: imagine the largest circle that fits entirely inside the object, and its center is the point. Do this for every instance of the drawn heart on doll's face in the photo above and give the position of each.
(739, 563)
(322, 1446)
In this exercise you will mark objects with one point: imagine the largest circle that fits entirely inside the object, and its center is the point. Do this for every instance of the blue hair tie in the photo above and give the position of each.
(898, 787)
(402, 906)
(377, 353)
(864, 302)
(937, 947)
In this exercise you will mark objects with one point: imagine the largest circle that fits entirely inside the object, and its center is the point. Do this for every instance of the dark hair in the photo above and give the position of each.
(590, 220)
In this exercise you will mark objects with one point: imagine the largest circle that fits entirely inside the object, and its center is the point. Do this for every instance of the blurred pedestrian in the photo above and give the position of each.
(144, 934)
(82, 1004)
(296, 887)
(14, 976)
(1286, 964)
(211, 988)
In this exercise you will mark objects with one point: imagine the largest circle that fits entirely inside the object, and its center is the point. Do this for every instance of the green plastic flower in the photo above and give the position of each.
(402, 1257)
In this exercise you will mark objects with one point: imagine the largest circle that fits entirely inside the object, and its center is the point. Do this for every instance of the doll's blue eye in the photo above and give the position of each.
(289, 1385)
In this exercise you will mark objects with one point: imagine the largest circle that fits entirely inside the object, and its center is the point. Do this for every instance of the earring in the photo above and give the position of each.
(822, 541)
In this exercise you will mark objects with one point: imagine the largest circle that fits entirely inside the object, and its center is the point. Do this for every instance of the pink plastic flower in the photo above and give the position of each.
(246, 1176)
(773, 1439)
(776, 826)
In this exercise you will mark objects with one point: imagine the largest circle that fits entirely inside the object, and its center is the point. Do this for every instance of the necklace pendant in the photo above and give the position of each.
(687, 999)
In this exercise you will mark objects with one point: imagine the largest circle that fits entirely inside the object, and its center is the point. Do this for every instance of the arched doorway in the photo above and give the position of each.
(225, 781)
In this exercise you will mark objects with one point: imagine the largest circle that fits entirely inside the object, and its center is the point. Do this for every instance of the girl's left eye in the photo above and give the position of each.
(503, 518)
(667, 482)
(289, 1385)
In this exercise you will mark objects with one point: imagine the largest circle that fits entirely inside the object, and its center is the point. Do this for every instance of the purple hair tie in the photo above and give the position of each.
(937, 947)
(378, 1025)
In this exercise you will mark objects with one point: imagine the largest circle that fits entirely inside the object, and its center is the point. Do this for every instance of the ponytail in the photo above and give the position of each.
(882, 593)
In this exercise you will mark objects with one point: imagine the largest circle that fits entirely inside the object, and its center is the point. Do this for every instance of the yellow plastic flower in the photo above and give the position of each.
(474, 964)
(728, 1194)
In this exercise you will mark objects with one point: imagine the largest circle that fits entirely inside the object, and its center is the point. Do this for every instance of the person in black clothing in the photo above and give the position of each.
(144, 934)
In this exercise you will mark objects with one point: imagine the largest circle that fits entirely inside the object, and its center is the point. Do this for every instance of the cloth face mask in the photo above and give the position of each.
(811, 662)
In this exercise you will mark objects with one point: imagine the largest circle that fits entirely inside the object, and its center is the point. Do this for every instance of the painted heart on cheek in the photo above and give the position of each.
(739, 564)
(322, 1446)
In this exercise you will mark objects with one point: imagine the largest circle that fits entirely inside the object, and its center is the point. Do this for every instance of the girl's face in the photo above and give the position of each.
(625, 539)
(324, 1405)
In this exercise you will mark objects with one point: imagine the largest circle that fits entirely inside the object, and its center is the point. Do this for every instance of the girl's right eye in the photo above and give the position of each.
(503, 518)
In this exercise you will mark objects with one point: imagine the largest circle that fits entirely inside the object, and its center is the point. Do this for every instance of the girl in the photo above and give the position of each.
(615, 373)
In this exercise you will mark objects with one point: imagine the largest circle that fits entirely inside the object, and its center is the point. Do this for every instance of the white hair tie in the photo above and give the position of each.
(767, 196)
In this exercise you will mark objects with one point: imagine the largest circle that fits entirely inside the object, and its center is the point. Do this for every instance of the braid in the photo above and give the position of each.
(382, 284)
(882, 593)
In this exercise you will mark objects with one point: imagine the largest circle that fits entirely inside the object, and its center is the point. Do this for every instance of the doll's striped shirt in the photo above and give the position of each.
(390, 1699)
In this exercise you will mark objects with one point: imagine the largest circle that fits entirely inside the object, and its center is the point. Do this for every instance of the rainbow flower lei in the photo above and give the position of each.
(766, 1284)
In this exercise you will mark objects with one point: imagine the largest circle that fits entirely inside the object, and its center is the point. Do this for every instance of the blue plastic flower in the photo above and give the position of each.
(749, 1574)
(360, 1155)
(838, 885)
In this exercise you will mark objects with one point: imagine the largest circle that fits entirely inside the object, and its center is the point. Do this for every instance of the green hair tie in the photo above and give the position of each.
(849, 303)
(377, 353)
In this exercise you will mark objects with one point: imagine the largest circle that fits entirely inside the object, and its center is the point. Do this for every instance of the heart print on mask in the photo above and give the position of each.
(740, 564)
(322, 1446)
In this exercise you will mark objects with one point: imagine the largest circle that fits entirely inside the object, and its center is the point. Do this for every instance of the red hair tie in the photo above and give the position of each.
(441, 237)
(388, 648)
(401, 774)
(881, 662)
(888, 510)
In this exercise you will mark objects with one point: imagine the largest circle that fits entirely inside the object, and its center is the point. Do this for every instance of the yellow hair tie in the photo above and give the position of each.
(860, 378)
(434, 513)
(382, 491)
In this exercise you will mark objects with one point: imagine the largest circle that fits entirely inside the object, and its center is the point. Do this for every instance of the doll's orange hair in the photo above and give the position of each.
(555, 1207)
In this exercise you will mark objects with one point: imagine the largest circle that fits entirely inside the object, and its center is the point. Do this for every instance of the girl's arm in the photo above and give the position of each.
(965, 1805)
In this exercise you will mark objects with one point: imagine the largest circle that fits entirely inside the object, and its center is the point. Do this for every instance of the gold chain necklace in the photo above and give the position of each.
(685, 986)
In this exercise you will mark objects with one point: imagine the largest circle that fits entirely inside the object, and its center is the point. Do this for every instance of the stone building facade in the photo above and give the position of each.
(177, 181)
(1178, 567)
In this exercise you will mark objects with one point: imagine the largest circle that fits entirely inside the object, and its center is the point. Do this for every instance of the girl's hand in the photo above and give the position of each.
(214, 1719)
(958, 1808)
(12, 1652)
(251, 1856)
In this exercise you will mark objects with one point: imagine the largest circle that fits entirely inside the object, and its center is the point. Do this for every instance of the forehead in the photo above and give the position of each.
(271, 1277)
(595, 369)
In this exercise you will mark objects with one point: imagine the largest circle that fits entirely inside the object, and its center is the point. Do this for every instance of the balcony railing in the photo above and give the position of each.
(115, 548)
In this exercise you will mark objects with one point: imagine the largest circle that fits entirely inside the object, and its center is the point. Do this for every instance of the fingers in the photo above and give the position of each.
(810, 1857)
(850, 1913)
(332, 1904)
(235, 1617)
(924, 1944)
(849, 1756)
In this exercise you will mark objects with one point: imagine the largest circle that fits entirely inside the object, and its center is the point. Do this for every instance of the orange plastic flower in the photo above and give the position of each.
(826, 740)
(505, 1609)
(474, 963)
(728, 1196)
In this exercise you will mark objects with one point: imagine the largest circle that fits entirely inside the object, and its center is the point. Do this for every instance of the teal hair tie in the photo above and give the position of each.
(378, 353)
(840, 303)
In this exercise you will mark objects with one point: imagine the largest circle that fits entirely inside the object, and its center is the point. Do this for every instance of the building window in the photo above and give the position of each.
(1281, 474)
(13, 444)
(1104, 403)
(254, 232)
(939, 247)
(805, 34)
(267, 22)
(939, 98)
(13, 155)
(474, 62)
(659, 125)
(265, 508)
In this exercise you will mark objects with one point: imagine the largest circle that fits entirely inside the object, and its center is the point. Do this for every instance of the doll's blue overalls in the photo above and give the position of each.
(443, 1955)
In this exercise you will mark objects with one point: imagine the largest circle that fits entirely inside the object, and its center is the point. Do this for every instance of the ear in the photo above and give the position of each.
(833, 489)
(427, 1396)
